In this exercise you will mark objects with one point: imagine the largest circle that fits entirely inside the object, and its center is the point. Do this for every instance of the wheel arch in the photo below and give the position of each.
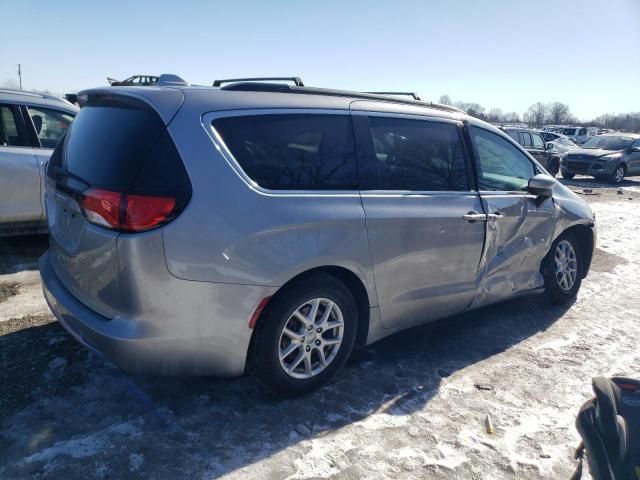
(354, 284)
(585, 237)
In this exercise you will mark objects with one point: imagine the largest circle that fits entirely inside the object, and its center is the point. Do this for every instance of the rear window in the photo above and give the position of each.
(107, 145)
(293, 151)
(121, 145)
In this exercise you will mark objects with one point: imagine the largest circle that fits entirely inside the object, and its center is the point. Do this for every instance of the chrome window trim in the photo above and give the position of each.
(207, 123)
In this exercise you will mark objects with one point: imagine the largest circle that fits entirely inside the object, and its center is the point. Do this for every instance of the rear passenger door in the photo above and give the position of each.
(20, 199)
(424, 220)
(520, 227)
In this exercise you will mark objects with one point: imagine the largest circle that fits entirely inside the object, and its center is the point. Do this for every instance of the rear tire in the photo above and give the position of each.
(562, 269)
(567, 175)
(318, 347)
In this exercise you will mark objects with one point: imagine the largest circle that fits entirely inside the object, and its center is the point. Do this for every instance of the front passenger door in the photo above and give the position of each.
(519, 226)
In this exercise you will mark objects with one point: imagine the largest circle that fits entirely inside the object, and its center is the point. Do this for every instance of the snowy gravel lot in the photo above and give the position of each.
(411, 406)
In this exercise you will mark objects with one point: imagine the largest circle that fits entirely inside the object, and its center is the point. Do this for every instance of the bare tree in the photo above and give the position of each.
(559, 113)
(537, 114)
(445, 100)
(511, 117)
(495, 115)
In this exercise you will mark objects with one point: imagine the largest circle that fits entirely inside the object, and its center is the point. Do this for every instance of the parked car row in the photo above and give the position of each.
(270, 228)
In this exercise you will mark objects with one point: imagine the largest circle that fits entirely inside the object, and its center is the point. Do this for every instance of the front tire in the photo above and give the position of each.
(618, 175)
(305, 336)
(554, 167)
(567, 175)
(562, 269)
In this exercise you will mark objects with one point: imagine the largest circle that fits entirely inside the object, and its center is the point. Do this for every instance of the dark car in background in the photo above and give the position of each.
(534, 143)
(135, 81)
(610, 157)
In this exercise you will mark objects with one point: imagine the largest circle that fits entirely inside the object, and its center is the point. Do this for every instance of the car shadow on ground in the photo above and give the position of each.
(21, 252)
(60, 398)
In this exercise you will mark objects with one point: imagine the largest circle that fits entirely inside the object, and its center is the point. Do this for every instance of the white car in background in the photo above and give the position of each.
(580, 134)
(30, 126)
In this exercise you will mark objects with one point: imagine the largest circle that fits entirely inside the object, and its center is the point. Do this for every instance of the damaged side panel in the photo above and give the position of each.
(518, 237)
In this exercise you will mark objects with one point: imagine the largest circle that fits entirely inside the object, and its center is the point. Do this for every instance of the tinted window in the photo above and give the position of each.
(501, 166)
(513, 134)
(49, 124)
(526, 139)
(293, 152)
(569, 131)
(107, 145)
(10, 131)
(537, 141)
(414, 155)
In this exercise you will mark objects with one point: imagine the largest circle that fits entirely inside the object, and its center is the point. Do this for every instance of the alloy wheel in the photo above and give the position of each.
(566, 265)
(619, 175)
(311, 338)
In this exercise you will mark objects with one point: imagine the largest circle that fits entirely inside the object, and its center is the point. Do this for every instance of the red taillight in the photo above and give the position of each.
(131, 213)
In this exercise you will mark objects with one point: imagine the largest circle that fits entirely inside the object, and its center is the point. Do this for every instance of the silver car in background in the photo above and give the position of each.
(30, 126)
(269, 228)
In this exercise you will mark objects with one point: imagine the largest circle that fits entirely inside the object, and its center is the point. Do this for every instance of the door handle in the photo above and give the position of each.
(494, 216)
(474, 217)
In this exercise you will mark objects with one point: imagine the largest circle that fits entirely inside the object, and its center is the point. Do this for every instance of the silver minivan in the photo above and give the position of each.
(30, 126)
(270, 228)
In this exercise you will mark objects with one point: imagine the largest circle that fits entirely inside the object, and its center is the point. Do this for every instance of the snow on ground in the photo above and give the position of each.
(406, 407)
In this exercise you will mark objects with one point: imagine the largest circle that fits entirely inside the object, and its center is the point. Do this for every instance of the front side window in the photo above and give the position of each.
(414, 155)
(537, 141)
(293, 151)
(50, 125)
(501, 166)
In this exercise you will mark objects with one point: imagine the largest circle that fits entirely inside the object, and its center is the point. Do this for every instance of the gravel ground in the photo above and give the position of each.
(411, 406)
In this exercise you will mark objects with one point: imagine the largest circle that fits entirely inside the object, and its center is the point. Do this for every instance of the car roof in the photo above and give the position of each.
(35, 99)
(210, 99)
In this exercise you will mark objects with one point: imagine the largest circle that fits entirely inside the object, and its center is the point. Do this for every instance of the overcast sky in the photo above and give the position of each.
(499, 53)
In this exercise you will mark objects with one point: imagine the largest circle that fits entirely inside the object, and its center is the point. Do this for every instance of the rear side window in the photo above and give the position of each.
(293, 151)
(526, 139)
(414, 155)
(11, 133)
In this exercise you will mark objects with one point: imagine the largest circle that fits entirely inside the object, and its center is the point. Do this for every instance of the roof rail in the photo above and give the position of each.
(402, 94)
(28, 93)
(254, 86)
(297, 81)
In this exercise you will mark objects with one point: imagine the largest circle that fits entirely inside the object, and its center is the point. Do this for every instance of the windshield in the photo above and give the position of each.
(608, 143)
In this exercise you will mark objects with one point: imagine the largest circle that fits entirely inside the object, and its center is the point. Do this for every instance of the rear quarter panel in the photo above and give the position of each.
(232, 232)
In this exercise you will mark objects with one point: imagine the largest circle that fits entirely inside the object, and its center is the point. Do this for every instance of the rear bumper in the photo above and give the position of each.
(194, 346)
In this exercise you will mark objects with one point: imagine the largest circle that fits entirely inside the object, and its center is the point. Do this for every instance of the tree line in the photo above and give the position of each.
(539, 114)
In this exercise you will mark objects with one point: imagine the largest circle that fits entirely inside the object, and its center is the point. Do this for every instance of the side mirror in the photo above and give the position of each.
(548, 146)
(541, 185)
